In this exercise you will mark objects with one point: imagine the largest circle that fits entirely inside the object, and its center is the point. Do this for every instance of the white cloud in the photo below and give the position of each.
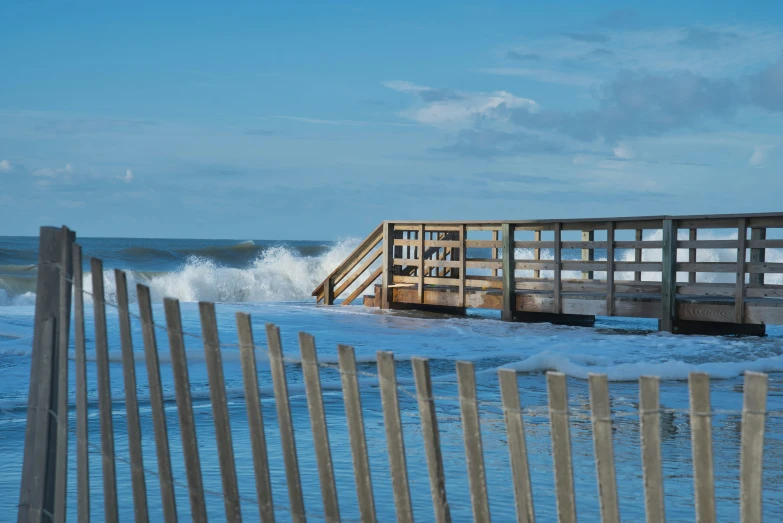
(544, 75)
(128, 177)
(54, 172)
(624, 152)
(759, 155)
(446, 108)
(6, 166)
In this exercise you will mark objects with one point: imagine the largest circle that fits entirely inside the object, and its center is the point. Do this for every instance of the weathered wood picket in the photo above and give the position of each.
(43, 489)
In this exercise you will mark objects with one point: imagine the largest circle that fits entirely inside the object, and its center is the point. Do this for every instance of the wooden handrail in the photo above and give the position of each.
(352, 260)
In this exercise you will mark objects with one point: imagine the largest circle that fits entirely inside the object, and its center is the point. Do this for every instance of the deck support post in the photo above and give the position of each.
(509, 283)
(669, 276)
(388, 264)
(329, 291)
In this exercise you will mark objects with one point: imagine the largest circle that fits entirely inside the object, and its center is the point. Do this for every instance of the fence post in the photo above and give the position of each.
(669, 277)
(50, 303)
(509, 283)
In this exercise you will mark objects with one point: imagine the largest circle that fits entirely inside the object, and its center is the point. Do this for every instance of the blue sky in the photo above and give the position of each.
(205, 119)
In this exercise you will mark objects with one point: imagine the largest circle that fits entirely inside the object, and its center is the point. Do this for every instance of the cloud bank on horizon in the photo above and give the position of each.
(381, 117)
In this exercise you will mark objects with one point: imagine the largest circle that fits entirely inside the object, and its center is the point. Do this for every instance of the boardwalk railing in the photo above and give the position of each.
(652, 267)
(44, 486)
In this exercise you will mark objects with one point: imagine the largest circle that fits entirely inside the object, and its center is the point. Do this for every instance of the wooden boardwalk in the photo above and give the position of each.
(693, 273)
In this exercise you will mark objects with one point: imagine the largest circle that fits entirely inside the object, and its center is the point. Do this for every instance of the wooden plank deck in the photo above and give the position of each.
(566, 271)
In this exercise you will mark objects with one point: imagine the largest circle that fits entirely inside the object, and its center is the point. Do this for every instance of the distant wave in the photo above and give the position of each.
(277, 273)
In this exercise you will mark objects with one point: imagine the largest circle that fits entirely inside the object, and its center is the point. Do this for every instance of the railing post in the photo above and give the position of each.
(739, 292)
(329, 291)
(388, 264)
(537, 253)
(637, 255)
(39, 468)
(588, 254)
(669, 276)
(758, 254)
(558, 305)
(509, 284)
(693, 235)
(609, 268)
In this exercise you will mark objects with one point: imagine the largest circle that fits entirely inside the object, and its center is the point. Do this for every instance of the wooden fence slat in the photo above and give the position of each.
(159, 425)
(561, 446)
(353, 413)
(387, 379)
(471, 431)
(604, 452)
(255, 418)
(111, 509)
(61, 366)
(431, 436)
(80, 363)
(46, 305)
(217, 396)
(287, 440)
(43, 420)
(650, 432)
(387, 264)
(187, 422)
(752, 445)
(138, 484)
(315, 404)
(701, 440)
(517, 447)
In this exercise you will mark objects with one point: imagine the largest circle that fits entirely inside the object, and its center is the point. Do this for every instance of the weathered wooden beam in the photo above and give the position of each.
(739, 296)
(558, 266)
(669, 276)
(701, 441)
(431, 436)
(509, 289)
(650, 432)
(387, 263)
(610, 267)
(758, 254)
(588, 254)
(537, 252)
(752, 446)
(637, 275)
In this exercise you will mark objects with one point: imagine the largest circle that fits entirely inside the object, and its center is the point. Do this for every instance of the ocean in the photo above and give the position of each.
(273, 280)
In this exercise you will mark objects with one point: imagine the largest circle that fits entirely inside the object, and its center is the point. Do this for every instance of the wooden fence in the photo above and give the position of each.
(43, 490)
(458, 265)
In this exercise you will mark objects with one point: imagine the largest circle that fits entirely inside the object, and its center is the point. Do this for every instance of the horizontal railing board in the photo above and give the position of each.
(534, 245)
(705, 267)
(763, 267)
(478, 263)
(584, 245)
(537, 265)
(483, 244)
(438, 263)
(707, 244)
(768, 244)
(650, 244)
(638, 266)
